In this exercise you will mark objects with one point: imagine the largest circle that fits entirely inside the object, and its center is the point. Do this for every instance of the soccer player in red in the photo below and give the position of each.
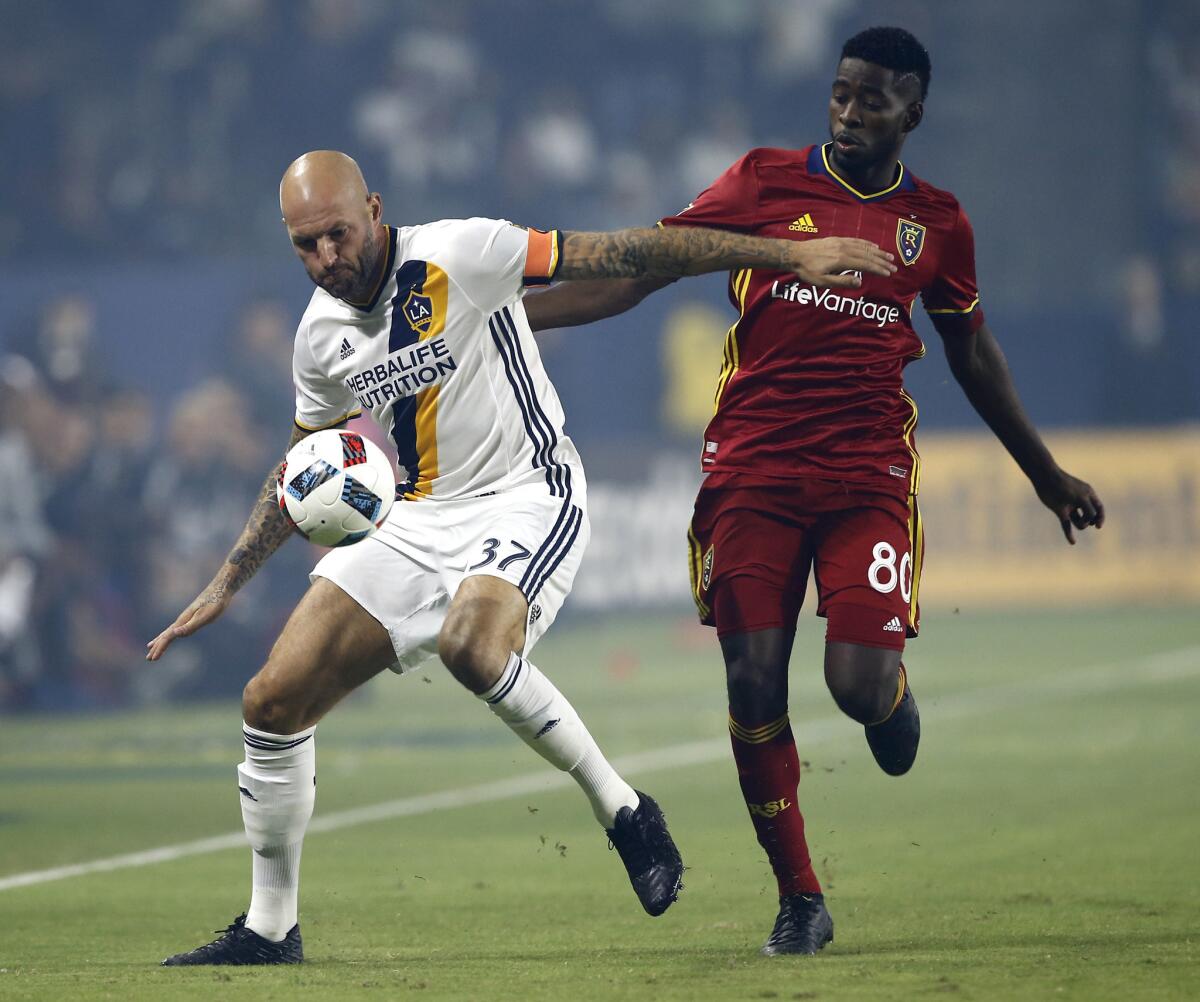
(810, 460)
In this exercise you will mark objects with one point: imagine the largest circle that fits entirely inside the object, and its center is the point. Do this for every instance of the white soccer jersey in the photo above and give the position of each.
(444, 360)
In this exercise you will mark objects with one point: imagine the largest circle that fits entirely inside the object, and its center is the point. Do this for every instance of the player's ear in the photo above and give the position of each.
(375, 205)
(913, 115)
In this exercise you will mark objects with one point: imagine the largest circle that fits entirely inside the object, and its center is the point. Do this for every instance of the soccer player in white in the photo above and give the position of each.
(423, 326)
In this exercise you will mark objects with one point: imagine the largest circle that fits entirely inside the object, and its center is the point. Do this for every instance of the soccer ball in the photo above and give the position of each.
(336, 487)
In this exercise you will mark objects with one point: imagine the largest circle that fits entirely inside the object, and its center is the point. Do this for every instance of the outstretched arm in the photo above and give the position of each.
(265, 532)
(981, 370)
(676, 252)
(637, 262)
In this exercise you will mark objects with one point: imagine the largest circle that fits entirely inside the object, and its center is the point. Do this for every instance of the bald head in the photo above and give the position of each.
(320, 178)
(334, 223)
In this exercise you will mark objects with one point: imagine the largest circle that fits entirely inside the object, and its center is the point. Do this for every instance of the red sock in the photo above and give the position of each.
(769, 771)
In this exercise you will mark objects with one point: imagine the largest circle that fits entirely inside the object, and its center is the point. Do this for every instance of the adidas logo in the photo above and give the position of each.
(803, 225)
(893, 625)
(547, 727)
(347, 348)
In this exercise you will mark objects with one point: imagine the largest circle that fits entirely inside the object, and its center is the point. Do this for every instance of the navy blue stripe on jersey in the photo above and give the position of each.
(539, 432)
(404, 435)
(269, 744)
(546, 550)
(411, 275)
(512, 381)
(554, 556)
(537, 425)
(562, 472)
(526, 377)
(512, 680)
(558, 475)
(542, 435)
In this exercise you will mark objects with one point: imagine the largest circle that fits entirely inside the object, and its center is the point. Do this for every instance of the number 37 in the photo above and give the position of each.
(491, 550)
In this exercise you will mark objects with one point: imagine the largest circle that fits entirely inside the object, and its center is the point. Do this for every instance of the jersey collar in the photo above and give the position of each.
(818, 163)
(386, 274)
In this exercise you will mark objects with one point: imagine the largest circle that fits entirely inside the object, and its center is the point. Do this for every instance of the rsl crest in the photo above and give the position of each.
(707, 568)
(910, 240)
(418, 311)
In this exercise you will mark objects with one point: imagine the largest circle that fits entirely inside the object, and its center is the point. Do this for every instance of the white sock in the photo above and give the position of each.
(541, 717)
(278, 788)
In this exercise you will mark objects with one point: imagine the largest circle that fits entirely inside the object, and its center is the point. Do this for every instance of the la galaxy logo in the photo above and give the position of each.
(418, 311)
(910, 240)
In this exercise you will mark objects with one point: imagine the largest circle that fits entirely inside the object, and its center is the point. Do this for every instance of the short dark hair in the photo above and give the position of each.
(894, 49)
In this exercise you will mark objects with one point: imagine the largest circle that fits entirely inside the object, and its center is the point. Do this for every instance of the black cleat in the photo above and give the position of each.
(894, 741)
(238, 946)
(804, 925)
(649, 854)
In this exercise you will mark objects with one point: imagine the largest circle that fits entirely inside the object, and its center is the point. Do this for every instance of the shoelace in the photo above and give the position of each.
(238, 923)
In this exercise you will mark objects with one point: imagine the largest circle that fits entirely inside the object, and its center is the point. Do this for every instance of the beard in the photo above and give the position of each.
(350, 281)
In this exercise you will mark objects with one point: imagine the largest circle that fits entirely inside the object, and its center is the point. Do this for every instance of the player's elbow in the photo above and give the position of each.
(625, 294)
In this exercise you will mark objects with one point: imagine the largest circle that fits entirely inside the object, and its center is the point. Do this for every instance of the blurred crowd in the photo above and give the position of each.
(176, 117)
(1160, 280)
(112, 520)
(156, 127)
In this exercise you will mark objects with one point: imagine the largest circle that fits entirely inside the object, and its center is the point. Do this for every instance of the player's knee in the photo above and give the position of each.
(475, 642)
(474, 656)
(455, 649)
(862, 680)
(756, 675)
(264, 709)
(755, 694)
(867, 705)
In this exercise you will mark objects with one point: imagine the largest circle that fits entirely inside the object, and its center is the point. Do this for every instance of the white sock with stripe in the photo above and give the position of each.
(541, 717)
(277, 784)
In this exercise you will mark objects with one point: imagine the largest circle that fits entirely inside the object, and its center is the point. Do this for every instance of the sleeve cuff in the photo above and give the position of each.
(954, 312)
(542, 257)
(331, 424)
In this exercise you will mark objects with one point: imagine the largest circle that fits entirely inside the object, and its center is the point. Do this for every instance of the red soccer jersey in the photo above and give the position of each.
(812, 384)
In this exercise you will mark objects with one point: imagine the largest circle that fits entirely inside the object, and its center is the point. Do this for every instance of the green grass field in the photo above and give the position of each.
(1046, 846)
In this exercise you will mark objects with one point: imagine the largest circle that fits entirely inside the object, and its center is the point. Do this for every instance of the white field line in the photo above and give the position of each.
(1078, 683)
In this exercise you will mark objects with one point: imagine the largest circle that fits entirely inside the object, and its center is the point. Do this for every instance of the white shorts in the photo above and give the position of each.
(407, 572)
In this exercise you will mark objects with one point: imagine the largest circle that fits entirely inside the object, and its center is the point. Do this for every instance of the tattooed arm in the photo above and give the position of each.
(674, 253)
(265, 532)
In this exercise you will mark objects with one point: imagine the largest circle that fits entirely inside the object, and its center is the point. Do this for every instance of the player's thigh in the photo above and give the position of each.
(401, 577)
(329, 646)
(749, 557)
(521, 565)
(867, 566)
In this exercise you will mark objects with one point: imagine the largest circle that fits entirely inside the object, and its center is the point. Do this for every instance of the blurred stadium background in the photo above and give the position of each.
(148, 296)
(147, 302)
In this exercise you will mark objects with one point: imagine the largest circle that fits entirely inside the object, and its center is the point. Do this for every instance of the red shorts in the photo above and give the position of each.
(751, 549)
